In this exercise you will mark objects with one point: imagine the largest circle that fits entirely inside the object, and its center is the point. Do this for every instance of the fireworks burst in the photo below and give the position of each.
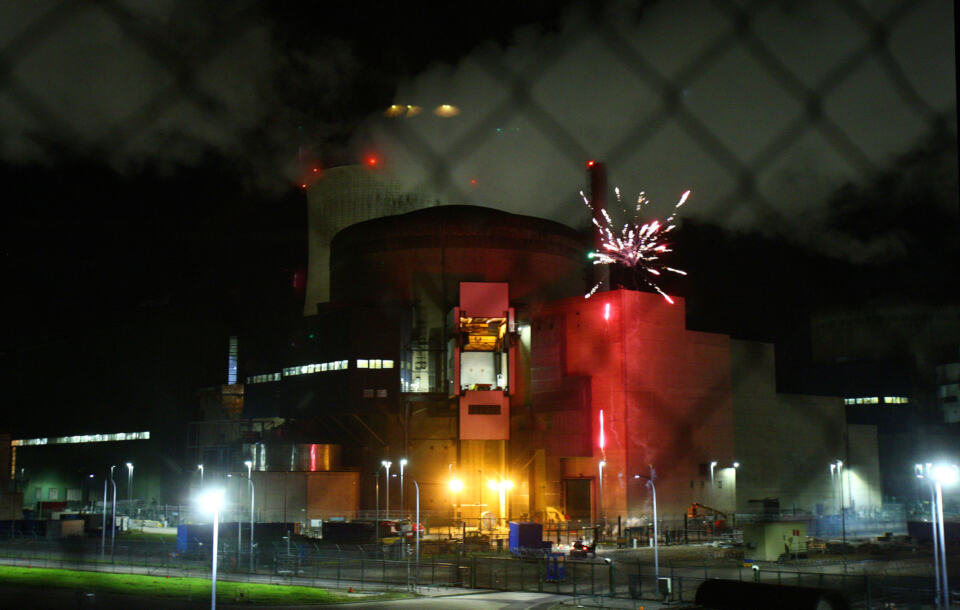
(635, 245)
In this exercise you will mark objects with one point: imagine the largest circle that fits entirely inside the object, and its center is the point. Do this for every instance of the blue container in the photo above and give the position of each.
(525, 537)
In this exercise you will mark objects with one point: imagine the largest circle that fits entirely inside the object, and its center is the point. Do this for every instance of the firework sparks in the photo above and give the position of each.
(635, 245)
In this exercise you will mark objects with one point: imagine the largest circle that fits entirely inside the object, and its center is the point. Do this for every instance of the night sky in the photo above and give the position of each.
(151, 154)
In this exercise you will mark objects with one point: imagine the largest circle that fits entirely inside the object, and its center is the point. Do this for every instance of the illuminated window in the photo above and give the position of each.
(388, 364)
(381, 393)
(83, 438)
(343, 364)
(362, 364)
(368, 393)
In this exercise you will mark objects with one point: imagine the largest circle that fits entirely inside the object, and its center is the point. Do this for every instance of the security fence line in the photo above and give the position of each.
(395, 568)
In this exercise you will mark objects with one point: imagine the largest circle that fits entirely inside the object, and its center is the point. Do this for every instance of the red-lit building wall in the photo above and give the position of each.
(665, 393)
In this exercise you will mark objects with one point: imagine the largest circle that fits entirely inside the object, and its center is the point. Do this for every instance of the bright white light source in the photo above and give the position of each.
(211, 501)
(945, 475)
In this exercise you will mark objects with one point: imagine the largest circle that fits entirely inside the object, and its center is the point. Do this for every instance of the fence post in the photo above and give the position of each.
(338, 570)
(540, 575)
(593, 590)
(613, 584)
(473, 574)
(866, 585)
(361, 570)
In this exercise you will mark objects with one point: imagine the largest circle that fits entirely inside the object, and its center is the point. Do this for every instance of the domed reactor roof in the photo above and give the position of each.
(341, 197)
(425, 254)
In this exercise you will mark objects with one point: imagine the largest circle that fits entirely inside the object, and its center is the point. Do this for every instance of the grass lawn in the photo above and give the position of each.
(180, 588)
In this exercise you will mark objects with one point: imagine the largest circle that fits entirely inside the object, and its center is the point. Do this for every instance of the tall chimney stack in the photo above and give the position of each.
(598, 198)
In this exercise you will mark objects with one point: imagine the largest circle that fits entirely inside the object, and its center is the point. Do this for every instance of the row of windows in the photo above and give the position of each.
(264, 378)
(874, 400)
(321, 367)
(83, 438)
(375, 364)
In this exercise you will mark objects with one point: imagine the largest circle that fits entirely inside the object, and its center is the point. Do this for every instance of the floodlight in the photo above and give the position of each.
(945, 474)
(456, 485)
(211, 501)
(736, 464)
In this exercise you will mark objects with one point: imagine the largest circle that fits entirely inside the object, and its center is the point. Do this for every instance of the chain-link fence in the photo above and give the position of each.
(395, 567)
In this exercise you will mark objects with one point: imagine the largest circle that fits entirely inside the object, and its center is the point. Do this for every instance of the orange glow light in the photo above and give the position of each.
(591, 163)
(372, 161)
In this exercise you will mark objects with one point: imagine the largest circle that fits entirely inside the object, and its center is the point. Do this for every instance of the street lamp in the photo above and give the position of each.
(403, 507)
(249, 466)
(416, 526)
(920, 472)
(103, 529)
(943, 474)
(200, 468)
(129, 485)
(386, 465)
(653, 489)
(600, 518)
(843, 512)
(212, 501)
(113, 518)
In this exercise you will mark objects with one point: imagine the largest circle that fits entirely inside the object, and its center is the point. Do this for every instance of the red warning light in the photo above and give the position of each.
(303, 186)
(316, 170)
(473, 181)
(372, 161)
(591, 163)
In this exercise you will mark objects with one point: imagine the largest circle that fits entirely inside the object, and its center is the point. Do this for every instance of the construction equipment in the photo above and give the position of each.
(707, 515)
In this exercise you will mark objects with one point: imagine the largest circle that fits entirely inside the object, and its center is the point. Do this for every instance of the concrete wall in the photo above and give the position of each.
(862, 469)
(784, 442)
(332, 494)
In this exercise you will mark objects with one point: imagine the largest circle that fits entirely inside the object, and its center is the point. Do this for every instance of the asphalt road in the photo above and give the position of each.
(494, 600)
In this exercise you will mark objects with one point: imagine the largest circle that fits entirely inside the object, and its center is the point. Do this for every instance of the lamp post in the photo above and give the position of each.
(129, 484)
(113, 518)
(843, 512)
(386, 465)
(416, 577)
(212, 501)
(103, 529)
(403, 507)
(925, 474)
(600, 518)
(653, 489)
(943, 474)
(736, 467)
(200, 468)
(249, 466)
